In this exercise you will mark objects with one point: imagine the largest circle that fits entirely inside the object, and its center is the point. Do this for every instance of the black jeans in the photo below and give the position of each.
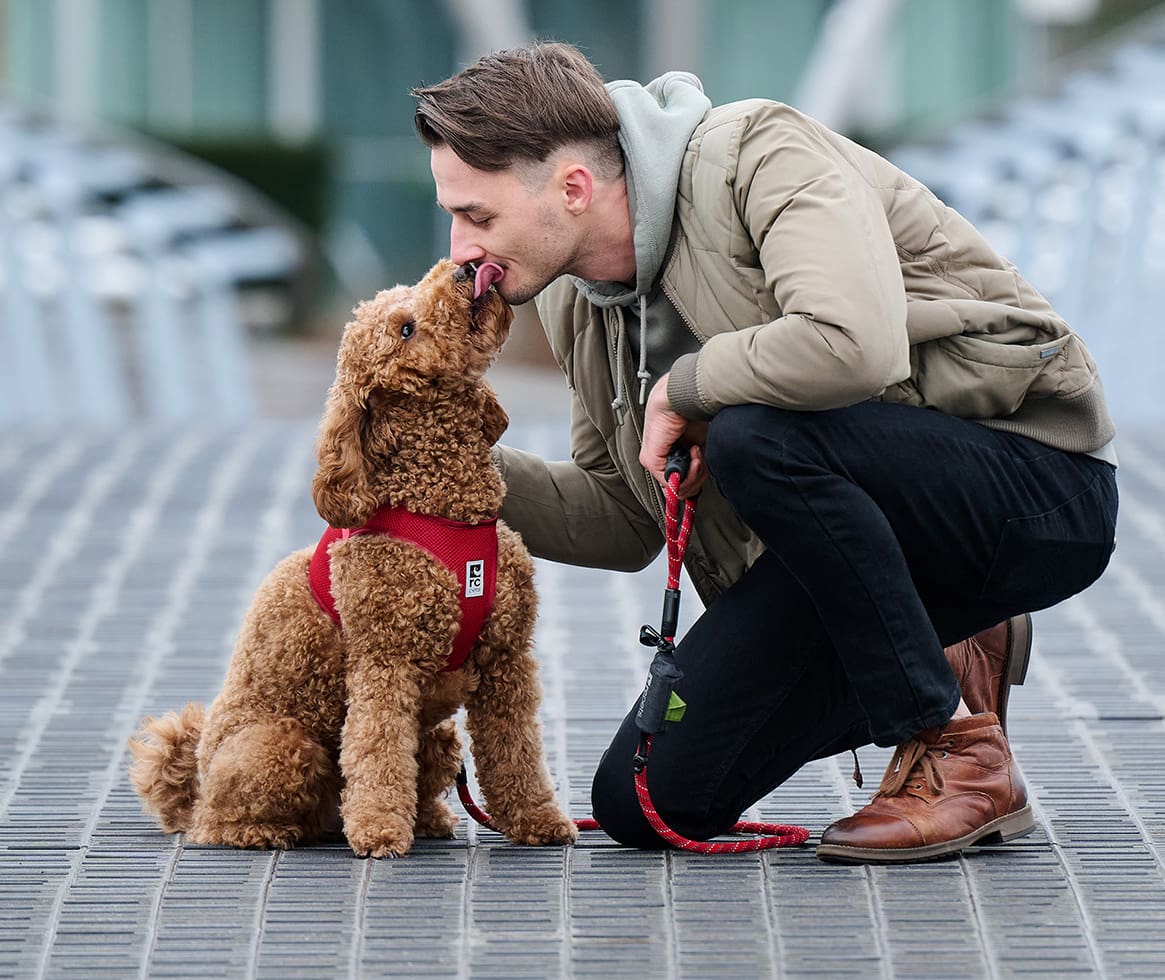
(891, 532)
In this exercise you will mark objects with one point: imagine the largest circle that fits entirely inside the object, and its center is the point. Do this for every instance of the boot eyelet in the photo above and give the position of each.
(944, 754)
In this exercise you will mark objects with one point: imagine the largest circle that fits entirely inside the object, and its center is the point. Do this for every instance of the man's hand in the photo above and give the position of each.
(663, 427)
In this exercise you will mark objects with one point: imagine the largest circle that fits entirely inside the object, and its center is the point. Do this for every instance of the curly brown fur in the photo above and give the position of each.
(165, 773)
(318, 729)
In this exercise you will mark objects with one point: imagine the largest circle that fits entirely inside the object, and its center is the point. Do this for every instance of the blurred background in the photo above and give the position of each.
(193, 193)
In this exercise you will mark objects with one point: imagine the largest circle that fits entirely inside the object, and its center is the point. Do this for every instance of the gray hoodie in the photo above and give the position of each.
(655, 124)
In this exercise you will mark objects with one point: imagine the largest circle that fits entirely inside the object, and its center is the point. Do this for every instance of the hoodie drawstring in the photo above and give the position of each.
(619, 405)
(643, 374)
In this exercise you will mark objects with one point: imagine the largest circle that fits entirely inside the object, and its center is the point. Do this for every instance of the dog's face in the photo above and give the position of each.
(424, 339)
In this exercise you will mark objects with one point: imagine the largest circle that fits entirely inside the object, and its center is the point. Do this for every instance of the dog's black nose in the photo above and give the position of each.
(467, 271)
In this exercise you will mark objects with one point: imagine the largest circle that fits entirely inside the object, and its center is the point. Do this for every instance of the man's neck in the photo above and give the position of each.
(610, 256)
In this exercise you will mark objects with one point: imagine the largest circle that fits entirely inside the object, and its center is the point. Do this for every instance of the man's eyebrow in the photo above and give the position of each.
(461, 208)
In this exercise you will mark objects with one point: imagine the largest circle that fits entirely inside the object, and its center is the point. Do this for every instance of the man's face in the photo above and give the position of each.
(498, 218)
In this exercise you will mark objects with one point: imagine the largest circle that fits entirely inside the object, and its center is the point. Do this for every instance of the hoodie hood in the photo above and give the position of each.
(656, 122)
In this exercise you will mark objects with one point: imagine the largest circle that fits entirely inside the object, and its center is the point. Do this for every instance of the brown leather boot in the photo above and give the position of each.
(988, 663)
(946, 789)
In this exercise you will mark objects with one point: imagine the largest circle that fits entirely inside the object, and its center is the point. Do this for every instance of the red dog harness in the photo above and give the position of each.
(469, 551)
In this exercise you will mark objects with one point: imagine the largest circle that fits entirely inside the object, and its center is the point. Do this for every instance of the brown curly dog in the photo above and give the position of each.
(321, 726)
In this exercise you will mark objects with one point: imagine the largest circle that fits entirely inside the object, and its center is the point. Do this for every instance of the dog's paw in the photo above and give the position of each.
(544, 825)
(245, 835)
(392, 837)
(435, 819)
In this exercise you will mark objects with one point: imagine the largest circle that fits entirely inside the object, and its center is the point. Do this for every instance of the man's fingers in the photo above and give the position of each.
(697, 474)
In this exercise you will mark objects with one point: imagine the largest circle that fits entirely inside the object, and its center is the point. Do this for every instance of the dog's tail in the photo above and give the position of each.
(165, 773)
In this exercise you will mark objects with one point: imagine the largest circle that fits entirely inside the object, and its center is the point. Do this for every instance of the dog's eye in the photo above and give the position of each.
(407, 329)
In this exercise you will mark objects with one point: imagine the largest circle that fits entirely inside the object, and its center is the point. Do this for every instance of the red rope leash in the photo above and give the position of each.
(677, 530)
(777, 834)
(483, 818)
(654, 703)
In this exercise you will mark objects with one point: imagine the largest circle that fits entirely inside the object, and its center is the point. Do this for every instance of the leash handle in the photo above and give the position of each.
(678, 461)
(678, 518)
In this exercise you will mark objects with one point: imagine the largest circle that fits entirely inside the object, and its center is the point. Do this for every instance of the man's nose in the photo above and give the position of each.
(462, 247)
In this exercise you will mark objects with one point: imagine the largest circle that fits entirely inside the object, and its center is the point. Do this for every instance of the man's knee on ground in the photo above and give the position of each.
(615, 805)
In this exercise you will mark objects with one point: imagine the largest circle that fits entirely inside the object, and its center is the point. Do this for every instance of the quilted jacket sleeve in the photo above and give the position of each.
(820, 232)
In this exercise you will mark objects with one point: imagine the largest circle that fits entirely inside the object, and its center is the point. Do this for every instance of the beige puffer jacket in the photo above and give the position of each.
(815, 274)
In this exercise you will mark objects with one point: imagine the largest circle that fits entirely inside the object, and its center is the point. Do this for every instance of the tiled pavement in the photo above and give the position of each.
(126, 562)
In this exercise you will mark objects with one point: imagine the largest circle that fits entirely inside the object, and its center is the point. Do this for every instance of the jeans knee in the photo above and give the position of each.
(748, 453)
(732, 441)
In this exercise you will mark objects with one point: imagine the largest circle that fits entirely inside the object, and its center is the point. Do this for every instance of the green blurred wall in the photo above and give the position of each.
(198, 72)
(757, 48)
(375, 51)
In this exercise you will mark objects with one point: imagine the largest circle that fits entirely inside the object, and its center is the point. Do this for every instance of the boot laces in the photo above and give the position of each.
(914, 761)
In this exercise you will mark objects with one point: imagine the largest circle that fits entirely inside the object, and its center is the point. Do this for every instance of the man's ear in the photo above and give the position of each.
(578, 188)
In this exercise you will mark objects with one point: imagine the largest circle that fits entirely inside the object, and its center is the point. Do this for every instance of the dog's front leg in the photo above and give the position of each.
(502, 712)
(399, 614)
(378, 759)
(502, 718)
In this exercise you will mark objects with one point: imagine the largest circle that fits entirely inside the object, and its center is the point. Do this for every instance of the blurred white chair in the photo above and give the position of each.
(118, 293)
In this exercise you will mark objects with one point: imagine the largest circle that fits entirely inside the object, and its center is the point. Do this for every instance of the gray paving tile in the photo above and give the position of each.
(130, 606)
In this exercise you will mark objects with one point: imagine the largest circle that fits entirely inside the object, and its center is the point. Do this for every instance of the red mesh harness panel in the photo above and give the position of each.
(469, 551)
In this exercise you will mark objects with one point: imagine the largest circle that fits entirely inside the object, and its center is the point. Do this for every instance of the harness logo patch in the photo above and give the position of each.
(474, 578)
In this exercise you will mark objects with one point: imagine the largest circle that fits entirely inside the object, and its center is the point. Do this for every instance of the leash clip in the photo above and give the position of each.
(639, 763)
(650, 638)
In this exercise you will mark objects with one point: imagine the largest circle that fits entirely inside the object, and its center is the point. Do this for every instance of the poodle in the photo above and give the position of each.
(336, 712)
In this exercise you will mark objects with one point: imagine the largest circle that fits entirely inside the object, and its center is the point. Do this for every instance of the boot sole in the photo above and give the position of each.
(1019, 651)
(1004, 828)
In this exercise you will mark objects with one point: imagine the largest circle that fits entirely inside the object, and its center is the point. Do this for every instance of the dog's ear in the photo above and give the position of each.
(342, 486)
(494, 420)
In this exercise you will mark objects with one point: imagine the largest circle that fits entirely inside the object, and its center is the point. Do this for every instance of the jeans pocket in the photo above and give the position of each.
(1044, 559)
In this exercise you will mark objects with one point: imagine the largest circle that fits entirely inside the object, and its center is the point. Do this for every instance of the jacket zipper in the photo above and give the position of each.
(669, 293)
(653, 490)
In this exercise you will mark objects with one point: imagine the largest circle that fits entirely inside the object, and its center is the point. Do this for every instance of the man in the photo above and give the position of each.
(898, 444)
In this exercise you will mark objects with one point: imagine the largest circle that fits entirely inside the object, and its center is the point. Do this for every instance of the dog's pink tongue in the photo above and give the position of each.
(487, 274)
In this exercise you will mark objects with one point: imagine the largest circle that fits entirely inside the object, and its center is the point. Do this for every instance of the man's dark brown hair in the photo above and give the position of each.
(519, 106)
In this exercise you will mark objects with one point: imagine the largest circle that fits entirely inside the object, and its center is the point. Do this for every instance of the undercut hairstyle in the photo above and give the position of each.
(518, 107)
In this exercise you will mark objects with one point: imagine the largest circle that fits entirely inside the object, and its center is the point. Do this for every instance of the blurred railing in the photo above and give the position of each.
(1071, 188)
(120, 287)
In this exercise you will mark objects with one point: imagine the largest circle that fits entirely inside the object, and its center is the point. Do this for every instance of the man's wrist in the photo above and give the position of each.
(683, 392)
